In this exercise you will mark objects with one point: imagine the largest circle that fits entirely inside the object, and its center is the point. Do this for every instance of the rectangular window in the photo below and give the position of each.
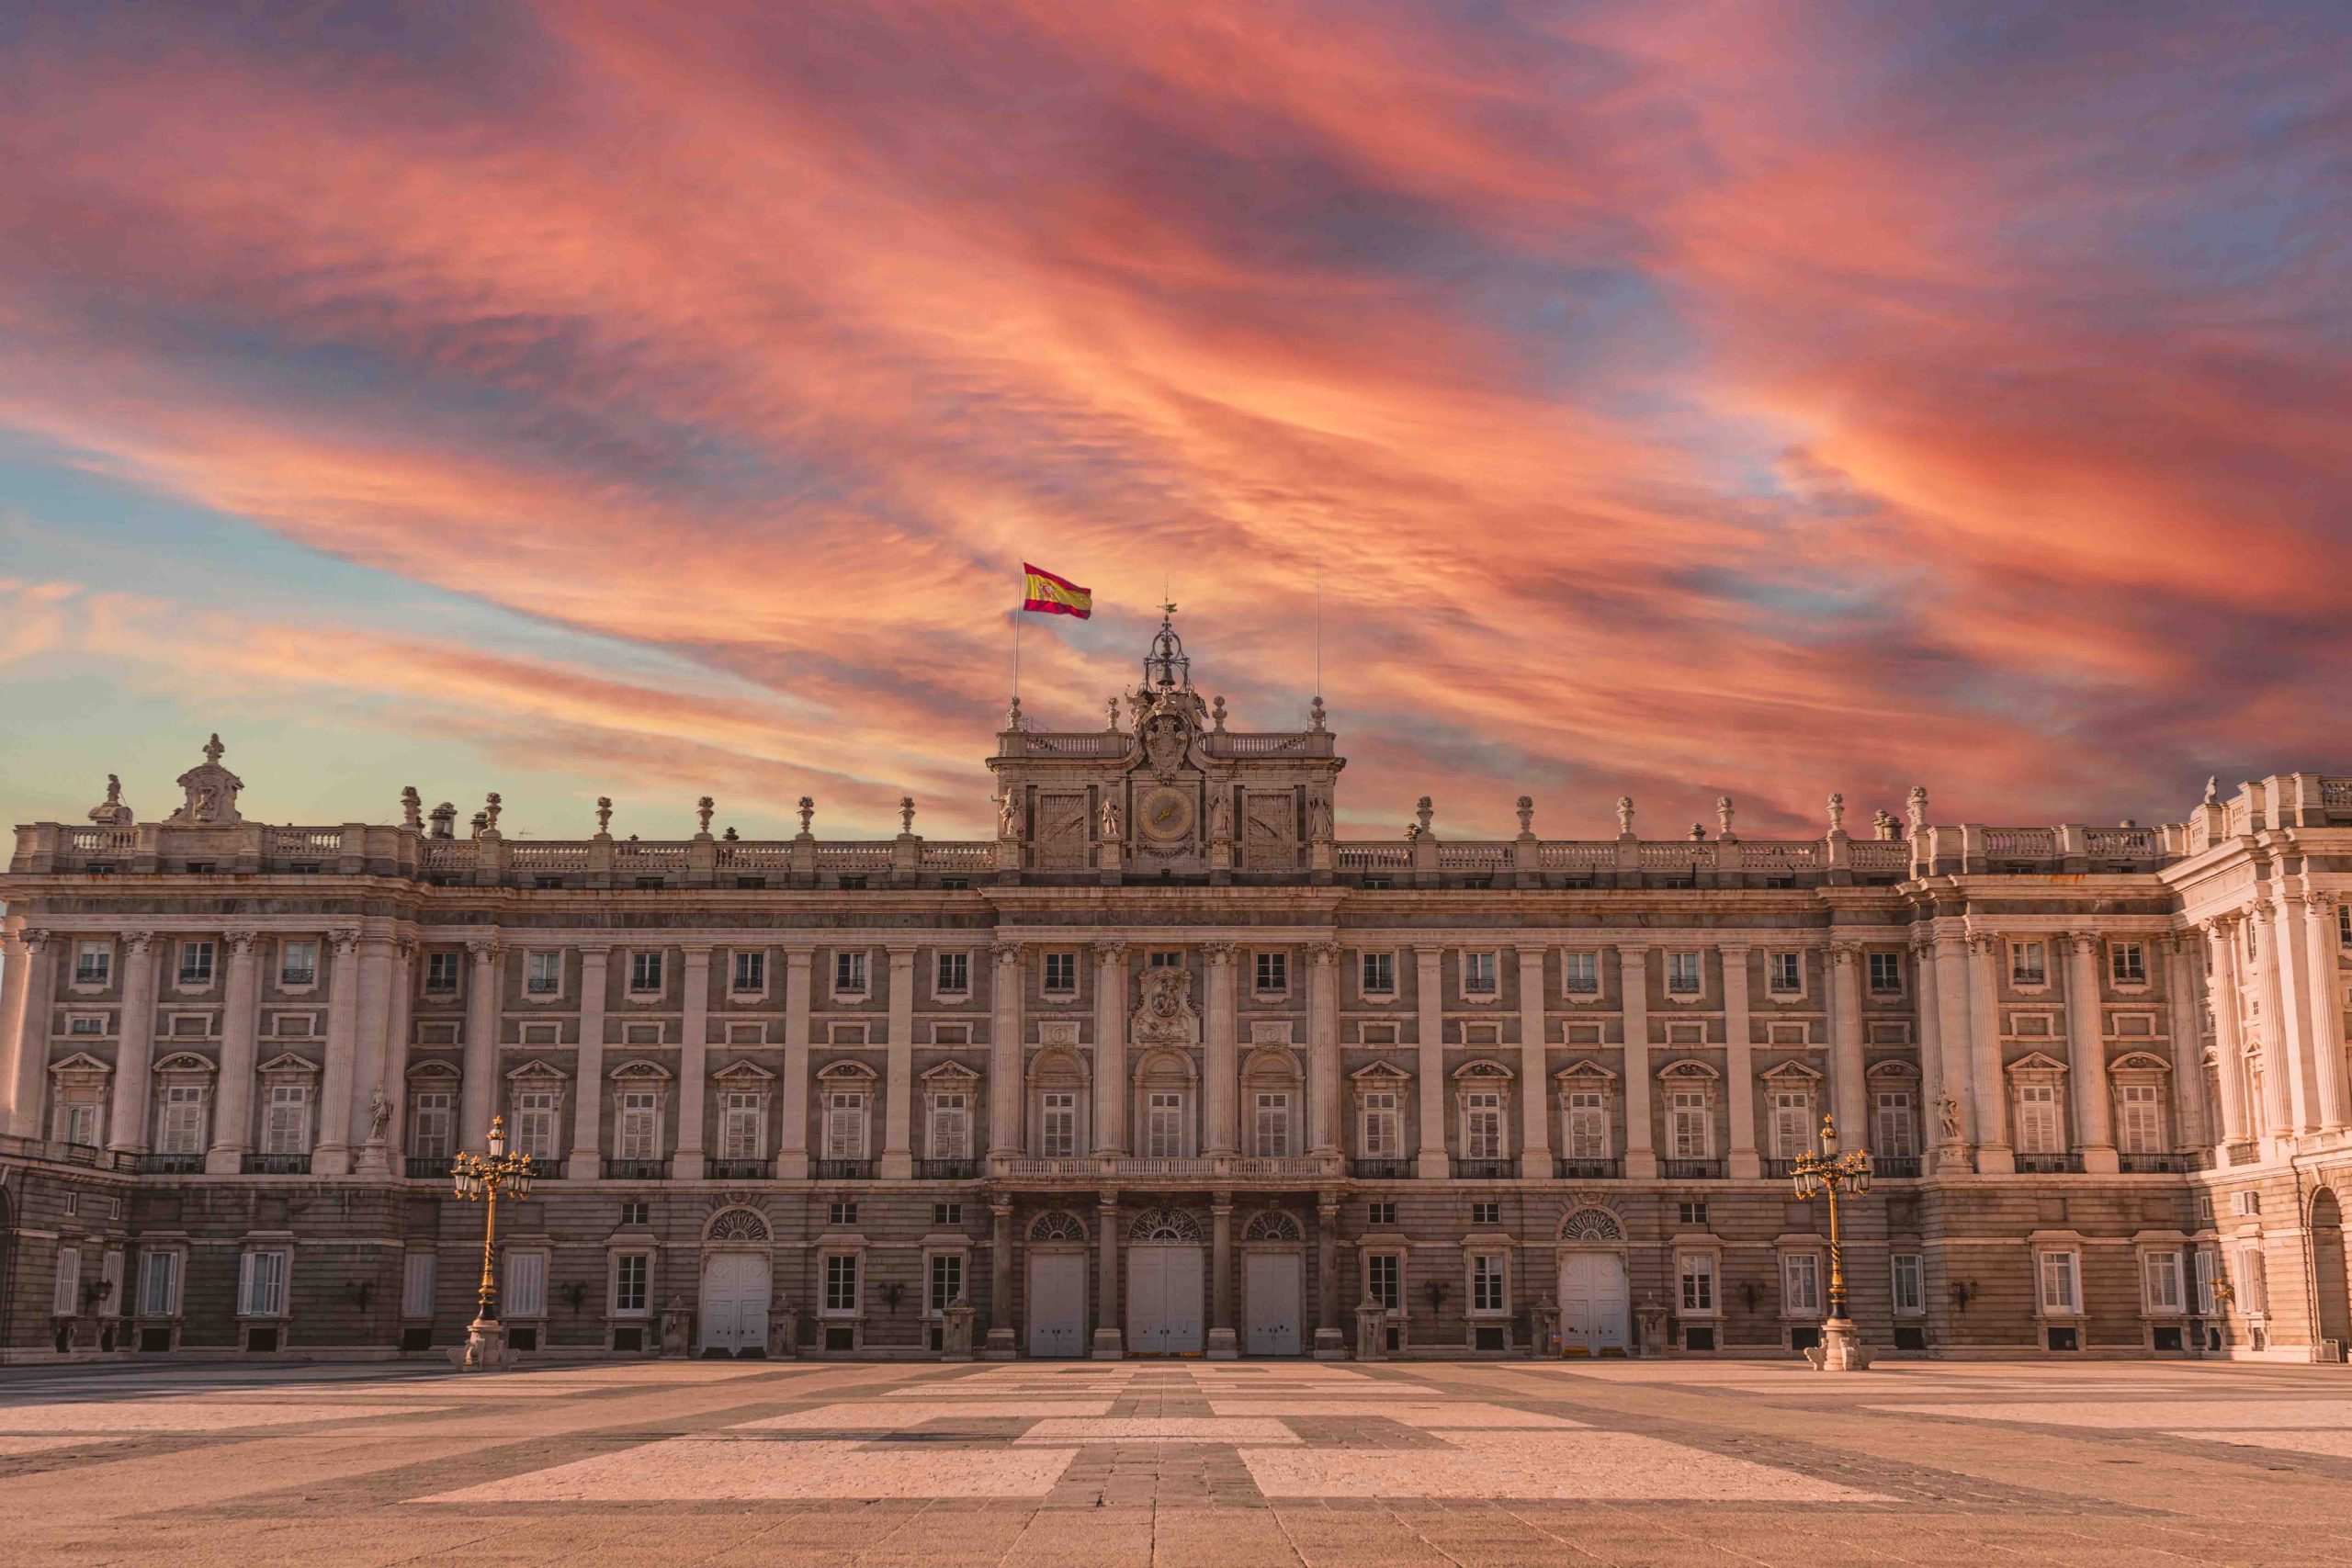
(159, 1284)
(441, 973)
(951, 974)
(750, 976)
(2060, 1291)
(1478, 974)
(1687, 1124)
(951, 1125)
(1273, 973)
(82, 1125)
(739, 1125)
(1059, 1124)
(1165, 959)
(1482, 1125)
(526, 1285)
(542, 974)
(2041, 1130)
(2140, 1128)
(1379, 975)
(85, 1023)
(261, 1284)
(65, 1296)
(93, 963)
(638, 1132)
(841, 1213)
(286, 1120)
(1486, 1214)
(1697, 1270)
(1682, 974)
(946, 1215)
(1910, 1284)
(1587, 1124)
(1062, 973)
(2127, 964)
(2203, 1263)
(631, 1271)
(2160, 1281)
(195, 964)
(298, 963)
(2253, 1274)
(1384, 1280)
(946, 1281)
(1489, 1296)
(635, 1211)
(1887, 974)
(1164, 1125)
(1270, 1130)
(180, 1123)
(1580, 974)
(1894, 1124)
(431, 1127)
(845, 1125)
(645, 973)
(849, 974)
(1801, 1284)
(1786, 973)
(1380, 1211)
(2344, 923)
(535, 1123)
(1692, 1211)
(2028, 963)
(841, 1283)
(1383, 1138)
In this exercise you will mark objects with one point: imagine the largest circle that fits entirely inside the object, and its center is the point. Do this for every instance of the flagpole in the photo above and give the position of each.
(1016, 656)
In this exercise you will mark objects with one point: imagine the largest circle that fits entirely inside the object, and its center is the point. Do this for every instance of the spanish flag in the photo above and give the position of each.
(1050, 596)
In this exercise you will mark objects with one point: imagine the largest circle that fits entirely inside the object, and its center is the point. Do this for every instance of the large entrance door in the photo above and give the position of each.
(735, 1303)
(1592, 1305)
(1058, 1304)
(1163, 1299)
(1272, 1284)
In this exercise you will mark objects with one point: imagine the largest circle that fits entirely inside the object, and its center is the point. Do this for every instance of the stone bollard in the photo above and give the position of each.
(673, 1328)
(784, 1333)
(955, 1334)
(1371, 1332)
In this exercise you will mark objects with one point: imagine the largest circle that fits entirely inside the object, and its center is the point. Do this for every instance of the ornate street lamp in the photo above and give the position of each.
(481, 1178)
(1834, 1175)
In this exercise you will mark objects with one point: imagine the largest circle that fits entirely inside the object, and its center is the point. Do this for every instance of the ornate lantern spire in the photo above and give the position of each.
(1166, 667)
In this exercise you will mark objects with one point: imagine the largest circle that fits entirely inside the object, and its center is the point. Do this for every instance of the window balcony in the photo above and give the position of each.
(737, 1171)
(1569, 1169)
(2244, 1153)
(2049, 1165)
(1778, 1170)
(1692, 1169)
(618, 1169)
(1486, 1169)
(844, 1170)
(947, 1169)
(169, 1165)
(277, 1165)
(1896, 1166)
(1381, 1169)
(428, 1167)
(2150, 1165)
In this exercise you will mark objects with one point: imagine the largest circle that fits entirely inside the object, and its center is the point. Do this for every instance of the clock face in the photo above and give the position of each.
(1165, 813)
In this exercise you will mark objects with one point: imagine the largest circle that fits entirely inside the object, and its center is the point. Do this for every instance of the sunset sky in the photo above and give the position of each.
(1674, 400)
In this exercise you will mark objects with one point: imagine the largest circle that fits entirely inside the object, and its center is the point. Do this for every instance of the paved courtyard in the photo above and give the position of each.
(1178, 1463)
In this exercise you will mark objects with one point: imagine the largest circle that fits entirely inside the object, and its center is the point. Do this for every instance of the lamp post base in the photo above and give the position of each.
(485, 1348)
(1841, 1348)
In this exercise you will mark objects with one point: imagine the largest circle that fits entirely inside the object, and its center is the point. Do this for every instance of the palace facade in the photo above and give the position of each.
(1167, 1068)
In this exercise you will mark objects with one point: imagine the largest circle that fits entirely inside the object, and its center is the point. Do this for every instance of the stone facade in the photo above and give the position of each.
(1167, 1066)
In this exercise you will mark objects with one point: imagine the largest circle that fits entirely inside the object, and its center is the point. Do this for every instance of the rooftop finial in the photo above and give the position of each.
(212, 749)
(1166, 667)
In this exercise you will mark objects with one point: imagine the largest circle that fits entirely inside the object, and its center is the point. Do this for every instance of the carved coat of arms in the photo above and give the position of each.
(1166, 1017)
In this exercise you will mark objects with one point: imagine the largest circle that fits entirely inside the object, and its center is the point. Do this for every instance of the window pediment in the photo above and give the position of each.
(535, 1069)
(1271, 1061)
(949, 1075)
(1690, 1070)
(743, 1073)
(640, 1071)
(1793, 1073)
(1892, 1070)
(1484, 1067)
(846, 1072)
(432, 1072)
(1593, 1071)
(2035, 1062)
(1379, 1075)
(287, 1065)
(80, 1063)
(2138, 1061)
(184, 1061)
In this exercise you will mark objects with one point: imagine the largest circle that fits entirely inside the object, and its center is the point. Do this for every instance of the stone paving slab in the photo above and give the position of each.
(703, 1470)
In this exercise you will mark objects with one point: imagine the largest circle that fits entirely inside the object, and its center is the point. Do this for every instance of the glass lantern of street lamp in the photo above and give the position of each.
(497, 1139)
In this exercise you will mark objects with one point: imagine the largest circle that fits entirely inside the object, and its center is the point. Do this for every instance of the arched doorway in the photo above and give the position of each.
(1273, 1284)
(736, 1283)
(2328, 1269)
(1595, 1306)
(1165, 1289)
(1057, 1299)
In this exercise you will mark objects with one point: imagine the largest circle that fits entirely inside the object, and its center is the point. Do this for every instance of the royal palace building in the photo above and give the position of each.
(1166, 1066)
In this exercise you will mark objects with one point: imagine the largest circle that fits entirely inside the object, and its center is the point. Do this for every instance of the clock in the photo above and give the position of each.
(1163, 813)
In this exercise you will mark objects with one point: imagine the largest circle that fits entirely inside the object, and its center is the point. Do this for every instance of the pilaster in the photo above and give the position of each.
(1740, 1064)
(1535, 1083)
(693, 1066)
(1323, 1075)
(1111, 1047)
(1220, 1069)
(2087, 1056)
(1641, 1145)
(587, 1159)
(791, 1132)
(331, 1155)
(1431, 1163)
(134, 1060)
(240, 1025)
(1005, 1052)
(899, 1112)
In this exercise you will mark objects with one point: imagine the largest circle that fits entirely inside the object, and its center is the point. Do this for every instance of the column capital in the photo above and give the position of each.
(1985, 943)
(594, 950)
(30, 940)
(1006, 954)
(1845, 954)
(346, 939)
(2324, 898)
(138, 942)
(1428, 950)
(1218, 951)
(1323, 952)
(902, 954)
(2083, 942)
(1737, 947)
(242, 942)
(1110, 951)
(484, 949)
(1634, 949)
(703, 949)
(406, 945)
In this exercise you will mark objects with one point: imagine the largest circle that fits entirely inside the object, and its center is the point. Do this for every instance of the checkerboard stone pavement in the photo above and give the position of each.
(1177, 1462)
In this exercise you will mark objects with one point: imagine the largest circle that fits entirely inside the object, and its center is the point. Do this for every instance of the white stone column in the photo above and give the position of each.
(478, 1092)
(378, 966)
(1535, 1087)
(1429, 995)
(1640, 1132)
(1323, 1092)
(2229, 1045)
(1110, 1335)
(1739, 1066)
(2192, 1120)
(898, 1111)
(1005, 1052)
(25, 965)
(1948, 1075)
(1996, 1156)
(2087, 1056)
(394, 1085)
(1111, 1047)
(693, 1068)
(791, 1135)
(586, 1160)
(1845, 1044)
(2292, 1024)
(2326, 1010)
(233, 1109)
(2277, 1044)
(1221, 1069)
(134, 1059)
(331, 1153)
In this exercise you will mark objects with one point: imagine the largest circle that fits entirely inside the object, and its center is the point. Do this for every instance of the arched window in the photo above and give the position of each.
(1058, 1104)
(1165, 1098)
